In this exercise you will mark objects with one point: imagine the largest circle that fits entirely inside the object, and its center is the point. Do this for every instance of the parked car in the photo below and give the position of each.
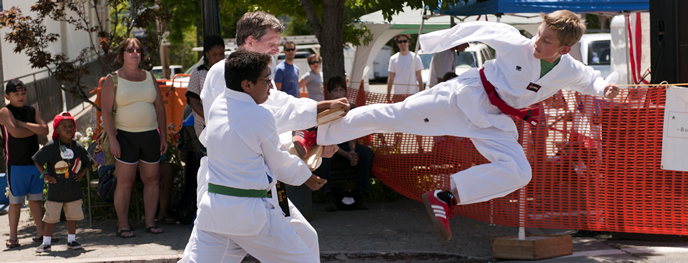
(174, 69)
(594, 50)
(473, 57)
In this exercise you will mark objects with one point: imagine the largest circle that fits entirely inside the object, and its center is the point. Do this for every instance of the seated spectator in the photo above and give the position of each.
(350, 151)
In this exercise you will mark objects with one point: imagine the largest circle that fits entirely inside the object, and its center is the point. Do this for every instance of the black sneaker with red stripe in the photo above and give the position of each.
(439, 212)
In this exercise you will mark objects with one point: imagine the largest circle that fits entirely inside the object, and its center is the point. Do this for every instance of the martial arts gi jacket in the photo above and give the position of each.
(254, 162)
(515, 72)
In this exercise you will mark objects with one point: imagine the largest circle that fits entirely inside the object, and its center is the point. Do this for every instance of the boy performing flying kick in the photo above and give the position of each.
(478, 103)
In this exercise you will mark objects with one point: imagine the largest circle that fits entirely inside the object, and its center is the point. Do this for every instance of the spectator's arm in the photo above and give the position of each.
(162, 119)
(278, 79)
(39, 128)
(196, 106)
(107, 101)
(390, 82)
(7, 120)
(302, 83)
(419, 77)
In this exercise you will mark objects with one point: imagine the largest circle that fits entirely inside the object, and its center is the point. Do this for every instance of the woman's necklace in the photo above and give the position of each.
(63, 151)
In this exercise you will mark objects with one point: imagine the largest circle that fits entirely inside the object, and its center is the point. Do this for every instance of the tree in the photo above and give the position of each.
(30, 35)
(331, 31)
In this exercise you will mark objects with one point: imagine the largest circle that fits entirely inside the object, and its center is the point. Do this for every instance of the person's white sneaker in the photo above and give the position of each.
(43, 248)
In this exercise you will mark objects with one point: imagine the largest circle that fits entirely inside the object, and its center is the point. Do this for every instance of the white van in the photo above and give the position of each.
(594, 50)
(174, 69)
(474, 56)
(380, 67)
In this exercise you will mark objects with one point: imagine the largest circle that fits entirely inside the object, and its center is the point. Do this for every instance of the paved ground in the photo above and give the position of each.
(389, 232)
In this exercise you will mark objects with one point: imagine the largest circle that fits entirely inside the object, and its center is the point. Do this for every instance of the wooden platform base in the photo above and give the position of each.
(532, 248)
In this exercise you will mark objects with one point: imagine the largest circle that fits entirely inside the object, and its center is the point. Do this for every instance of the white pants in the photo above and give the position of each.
(277, 242)
(448, 109)
(297, 221)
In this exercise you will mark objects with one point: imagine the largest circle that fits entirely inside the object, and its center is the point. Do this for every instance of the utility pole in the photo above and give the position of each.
(211, 18)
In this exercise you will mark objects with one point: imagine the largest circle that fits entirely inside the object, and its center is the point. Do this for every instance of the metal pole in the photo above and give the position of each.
(211, 18)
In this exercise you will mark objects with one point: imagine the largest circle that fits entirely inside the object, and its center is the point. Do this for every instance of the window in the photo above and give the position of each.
(466, 58)
(599, 53)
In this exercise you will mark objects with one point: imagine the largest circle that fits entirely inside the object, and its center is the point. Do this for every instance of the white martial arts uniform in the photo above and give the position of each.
(229, 226)
(460, 107)
(290, 114)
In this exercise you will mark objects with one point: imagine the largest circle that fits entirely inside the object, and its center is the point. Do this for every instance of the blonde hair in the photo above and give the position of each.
(567, 24)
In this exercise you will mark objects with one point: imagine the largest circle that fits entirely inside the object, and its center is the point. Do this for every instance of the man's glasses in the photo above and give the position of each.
(289, 49)
(402, 41)
(132, 50)
(268, 81)
(314, 62)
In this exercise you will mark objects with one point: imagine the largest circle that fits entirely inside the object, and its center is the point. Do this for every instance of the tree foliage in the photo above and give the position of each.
(29, 34)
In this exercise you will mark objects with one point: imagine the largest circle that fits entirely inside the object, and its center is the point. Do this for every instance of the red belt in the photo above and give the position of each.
(525, 115)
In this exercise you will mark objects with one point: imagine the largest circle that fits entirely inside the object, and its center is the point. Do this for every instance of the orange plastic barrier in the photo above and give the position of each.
(596, 166)
(173, 96)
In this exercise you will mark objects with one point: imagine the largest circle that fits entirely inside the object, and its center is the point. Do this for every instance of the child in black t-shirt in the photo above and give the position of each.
(67, 162)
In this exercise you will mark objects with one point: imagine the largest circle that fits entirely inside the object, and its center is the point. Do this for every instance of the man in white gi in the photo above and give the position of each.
(260, 32)
(443, 62)
(235, 215)
(476, 105)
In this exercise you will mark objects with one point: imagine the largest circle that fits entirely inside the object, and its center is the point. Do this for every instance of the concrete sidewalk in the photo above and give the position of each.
(388, 232)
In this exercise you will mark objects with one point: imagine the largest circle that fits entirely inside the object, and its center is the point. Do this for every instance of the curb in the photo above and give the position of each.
(326, 256)
(141, 259)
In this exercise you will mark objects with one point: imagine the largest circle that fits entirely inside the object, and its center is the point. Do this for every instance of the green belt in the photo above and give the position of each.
(231, 191)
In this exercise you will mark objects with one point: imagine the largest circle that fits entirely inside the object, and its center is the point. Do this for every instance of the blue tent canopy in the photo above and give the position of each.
(535, 6)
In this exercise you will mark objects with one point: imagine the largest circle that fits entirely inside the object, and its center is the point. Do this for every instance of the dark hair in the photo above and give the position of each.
(209, 43)
(244, 65)
(256, 24)
(289, 42)
(313, 57)
(449, 75)
(335, 82)
(123, 46)
(407, 36)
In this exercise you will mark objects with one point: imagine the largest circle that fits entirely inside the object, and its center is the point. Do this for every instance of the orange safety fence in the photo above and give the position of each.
(173, 96)
(596, 166)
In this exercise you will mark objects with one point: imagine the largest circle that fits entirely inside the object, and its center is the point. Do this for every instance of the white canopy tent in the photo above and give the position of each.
(410, 21)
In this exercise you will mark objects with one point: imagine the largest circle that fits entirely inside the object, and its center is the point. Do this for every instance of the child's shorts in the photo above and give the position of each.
(135, 146)
(24, 181)
(72, 210)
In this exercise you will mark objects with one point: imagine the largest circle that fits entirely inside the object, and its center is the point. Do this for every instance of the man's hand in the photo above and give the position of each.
(315, 182)
(353, 158)
(333, 104)
(329, 151)
(611, 91)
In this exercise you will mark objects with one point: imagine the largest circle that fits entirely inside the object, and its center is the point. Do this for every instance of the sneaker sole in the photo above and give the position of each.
(436, 223)
(78, 247)
(300, 151)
